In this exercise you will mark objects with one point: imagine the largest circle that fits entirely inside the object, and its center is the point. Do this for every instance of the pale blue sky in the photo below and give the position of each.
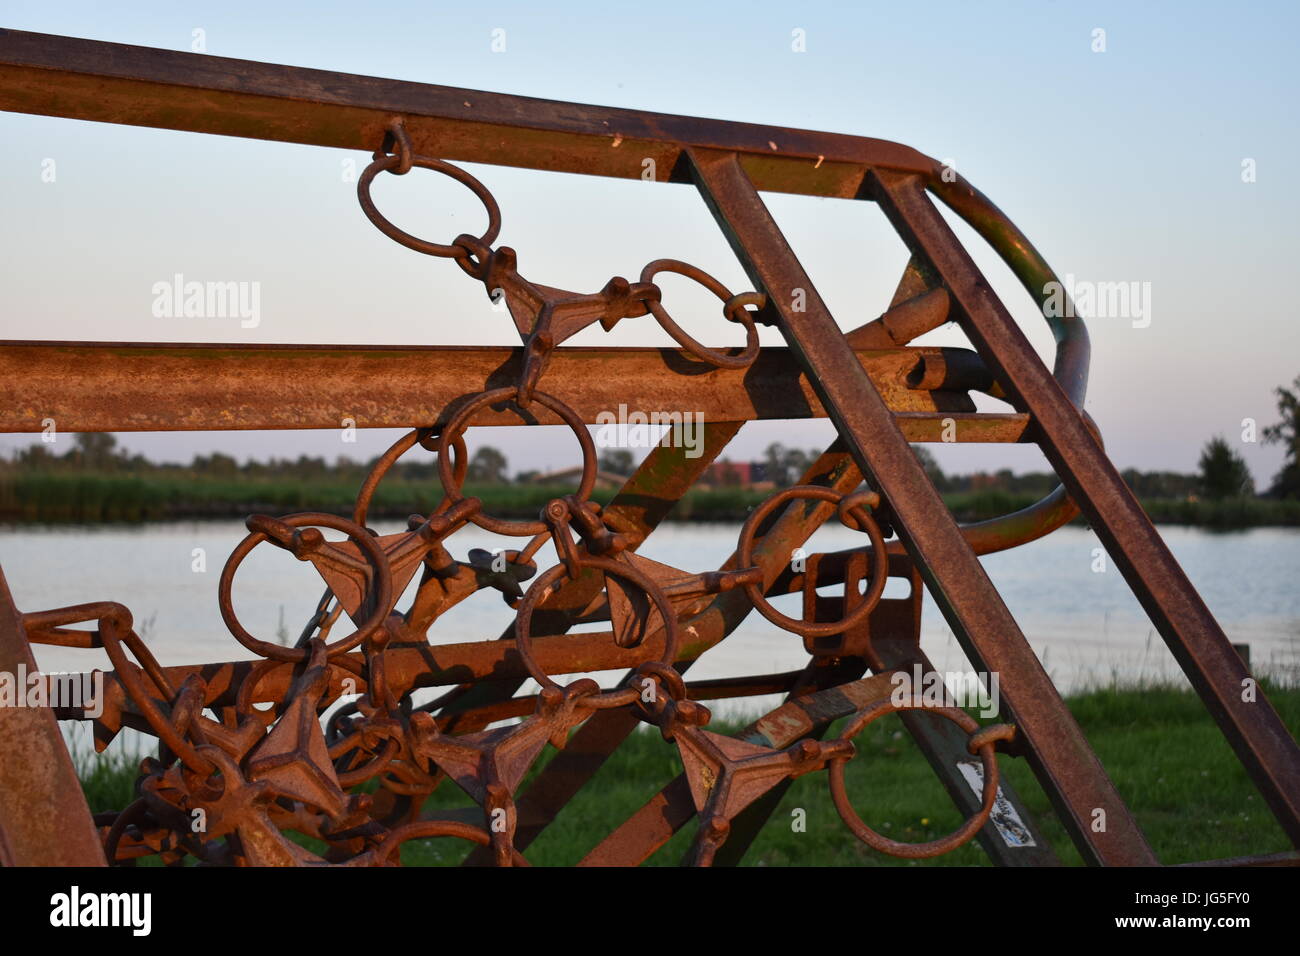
(1120, 166)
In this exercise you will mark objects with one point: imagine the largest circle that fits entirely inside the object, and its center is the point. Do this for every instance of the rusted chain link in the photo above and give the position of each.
(255, 773)
(289, 742)
(546, 316)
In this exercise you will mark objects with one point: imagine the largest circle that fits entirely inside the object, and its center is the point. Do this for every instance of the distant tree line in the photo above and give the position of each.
(1222, 473)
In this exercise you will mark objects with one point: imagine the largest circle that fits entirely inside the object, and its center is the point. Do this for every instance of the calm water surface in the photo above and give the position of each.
(1085, 626)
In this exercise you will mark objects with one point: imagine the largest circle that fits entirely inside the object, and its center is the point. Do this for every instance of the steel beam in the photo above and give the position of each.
(167, 89)
(1065, 764)
(1205, 654)
(44, 818)
(88, 387)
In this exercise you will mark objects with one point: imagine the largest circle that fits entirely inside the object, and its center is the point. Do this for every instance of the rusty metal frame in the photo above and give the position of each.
(105, 386)
(880, 393)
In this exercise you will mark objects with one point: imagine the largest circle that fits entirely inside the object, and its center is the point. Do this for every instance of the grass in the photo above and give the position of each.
(54, 498)
(1173, 768)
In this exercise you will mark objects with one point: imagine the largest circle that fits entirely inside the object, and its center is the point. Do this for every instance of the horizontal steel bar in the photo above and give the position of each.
(87, 387)
(141, 86)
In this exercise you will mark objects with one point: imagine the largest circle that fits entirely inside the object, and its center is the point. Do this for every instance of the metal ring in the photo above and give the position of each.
(460, 421)
(244, 704)
(730, 310)
(396, 135)
(879, 562)
(914, 851)
(428, 829)
(414, 242)
(361, 509)
(382, 586)
(735, 307)
(133, 683)
(619, 569)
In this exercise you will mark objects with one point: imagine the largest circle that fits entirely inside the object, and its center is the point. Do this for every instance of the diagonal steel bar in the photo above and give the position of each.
(1060, 755)
(44, 818)
(654, 824)
(749, 823)
(596, 740)
(1249, 722)
(665, 474)
(1018, 841)
(1011, 837)
(645, 499)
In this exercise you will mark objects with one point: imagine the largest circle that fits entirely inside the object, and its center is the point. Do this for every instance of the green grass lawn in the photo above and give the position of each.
(1179, 777)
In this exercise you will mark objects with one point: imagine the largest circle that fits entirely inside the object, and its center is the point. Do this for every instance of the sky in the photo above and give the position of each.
(1122, 164)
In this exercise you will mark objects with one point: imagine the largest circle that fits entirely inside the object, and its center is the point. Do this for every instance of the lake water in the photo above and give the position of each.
(1085, 626)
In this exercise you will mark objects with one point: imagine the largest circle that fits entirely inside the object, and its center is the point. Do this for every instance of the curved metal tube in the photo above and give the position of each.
(1070, 368)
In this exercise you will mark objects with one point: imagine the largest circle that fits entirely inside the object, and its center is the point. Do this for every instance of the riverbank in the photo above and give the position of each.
(93, 498)
(1166, 757)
